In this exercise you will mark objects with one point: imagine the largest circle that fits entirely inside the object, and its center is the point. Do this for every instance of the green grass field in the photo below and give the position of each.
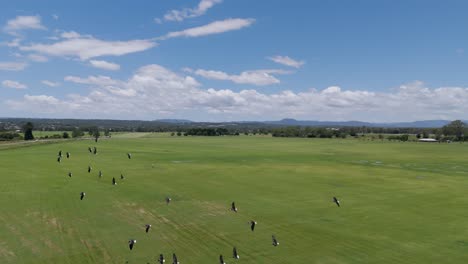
(401, 202)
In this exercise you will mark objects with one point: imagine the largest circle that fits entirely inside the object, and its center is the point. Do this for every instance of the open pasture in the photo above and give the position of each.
(400, 202)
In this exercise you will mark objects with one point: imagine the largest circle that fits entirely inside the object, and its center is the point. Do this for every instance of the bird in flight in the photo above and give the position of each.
(234, 253)
(233, 207)
(131, 243)
(335, 200)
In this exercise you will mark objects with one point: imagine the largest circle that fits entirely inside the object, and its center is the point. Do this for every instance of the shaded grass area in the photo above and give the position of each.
(401, 202)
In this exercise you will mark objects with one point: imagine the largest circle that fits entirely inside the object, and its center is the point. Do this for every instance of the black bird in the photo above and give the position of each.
(234, 253)
(148, 226)
(168, 200)
(335, 200)
(59, 159)
(252, 225)
(275, 242)
(82, 195)
(161, 259)
(89, 169)
(95, 151)
(100, 174)
(131, 243)
(129, 155)
(68, 155)
(233, 207)
(221, 260)
(60, 153)
(121, 176)
(90, 150)
(113, 181)
(70, 174)
(174, 259)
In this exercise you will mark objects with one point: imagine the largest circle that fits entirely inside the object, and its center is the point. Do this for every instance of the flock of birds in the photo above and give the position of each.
(161, 259)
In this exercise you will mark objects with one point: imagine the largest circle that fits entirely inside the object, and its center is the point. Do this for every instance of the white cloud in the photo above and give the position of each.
(285, 60)
(14, 43)
(105, 65)
(23, 22)
(180, 15)
(212, 28)
(88, 47)
(257, 77)
(12, 66)
(37, 58)
(50, 83)
(156, 92)
(55, 16)
(13, 84)
(71, 35)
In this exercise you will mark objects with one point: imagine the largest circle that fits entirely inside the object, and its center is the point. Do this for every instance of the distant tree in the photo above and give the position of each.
(94, 132)
(404, 137)
(65, 135)
(438, 134)
(179, 134)
(418, 136)
(107, 133)
(455, 128)
(77, 133)
(381, 137)
(27, 128)
(425, 134)
(172, 134)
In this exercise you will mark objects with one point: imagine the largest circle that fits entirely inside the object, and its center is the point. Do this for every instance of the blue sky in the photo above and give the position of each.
(224, 60)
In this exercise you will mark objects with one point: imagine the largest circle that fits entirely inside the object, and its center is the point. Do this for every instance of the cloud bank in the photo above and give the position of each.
(154, 91)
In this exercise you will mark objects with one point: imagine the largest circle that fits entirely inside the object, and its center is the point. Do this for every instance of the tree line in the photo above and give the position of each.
(454, 131)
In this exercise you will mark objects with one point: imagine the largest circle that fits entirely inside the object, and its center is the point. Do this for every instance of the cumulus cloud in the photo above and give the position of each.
(257, 77)
(154, 91)
(105, 65)
(38, 58)
(285, 60)
(12, 66)
(86, 47)
(50, 83)
(216, 27)
(180, 15)
(13, 84)
(19, 23)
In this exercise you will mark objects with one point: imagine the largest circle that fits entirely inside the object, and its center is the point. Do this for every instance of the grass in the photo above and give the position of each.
(401, 202)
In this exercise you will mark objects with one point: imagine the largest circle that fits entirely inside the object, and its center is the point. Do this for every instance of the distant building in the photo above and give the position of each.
(427, 140)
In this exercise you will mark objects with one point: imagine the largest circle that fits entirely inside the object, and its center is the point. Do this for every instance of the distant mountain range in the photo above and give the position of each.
(294, 122)
(419, 124)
